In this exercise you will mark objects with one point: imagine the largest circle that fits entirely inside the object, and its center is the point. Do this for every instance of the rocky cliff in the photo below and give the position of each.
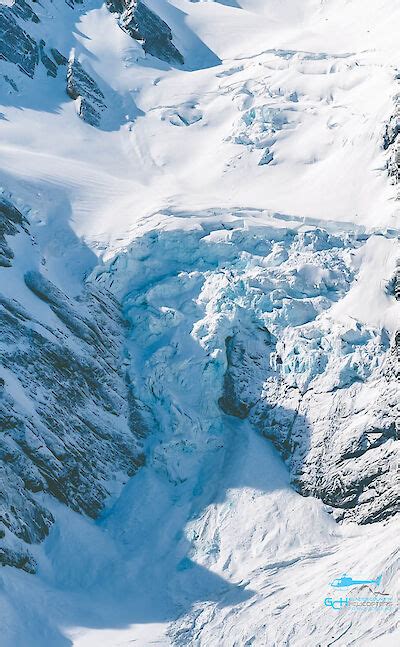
(70, 425)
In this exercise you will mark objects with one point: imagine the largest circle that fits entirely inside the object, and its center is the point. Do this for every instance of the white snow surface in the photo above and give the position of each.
(209, 544)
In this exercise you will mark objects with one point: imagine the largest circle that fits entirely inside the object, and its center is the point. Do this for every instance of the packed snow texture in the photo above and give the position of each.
(199, 286)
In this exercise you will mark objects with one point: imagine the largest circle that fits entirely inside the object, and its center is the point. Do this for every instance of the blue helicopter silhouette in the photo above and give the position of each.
(346, 580)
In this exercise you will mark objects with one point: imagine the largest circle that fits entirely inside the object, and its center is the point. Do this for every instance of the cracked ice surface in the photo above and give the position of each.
(237, 326)
(253, 317)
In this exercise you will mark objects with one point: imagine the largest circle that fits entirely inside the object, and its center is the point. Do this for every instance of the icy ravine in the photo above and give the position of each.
(209, 291)
(261, 309)
(251, 528)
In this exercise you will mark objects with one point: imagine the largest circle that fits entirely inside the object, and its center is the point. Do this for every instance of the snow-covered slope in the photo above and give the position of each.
(200, 236)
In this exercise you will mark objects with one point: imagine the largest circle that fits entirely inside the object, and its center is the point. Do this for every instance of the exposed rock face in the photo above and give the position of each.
(396, 287)
(266, 158)
(391, 141)
(23, 10)
(72, 3)
(11, 222)
(321, 432)
(58, 57)
(393, 128)
(50, 66)
(70, 426)
(82, 88)
(16, 45)
(143, 24)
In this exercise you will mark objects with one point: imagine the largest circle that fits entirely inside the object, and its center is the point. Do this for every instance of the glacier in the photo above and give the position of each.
(200, 321)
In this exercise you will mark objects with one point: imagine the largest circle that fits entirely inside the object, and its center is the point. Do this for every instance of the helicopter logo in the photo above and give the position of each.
(346, 580)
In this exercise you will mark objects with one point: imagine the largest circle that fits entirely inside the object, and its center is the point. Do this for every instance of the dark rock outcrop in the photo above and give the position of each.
(236, 399)
(11, 222)
(396, 282)
(82, 87)
(266, 158)
(70, 425)
(50, 66)
(332, 455)
(18, 559)
(143, 24)
(23, 10)
(16, 45)
(391, 141)
(58, 57)
(392, 130)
